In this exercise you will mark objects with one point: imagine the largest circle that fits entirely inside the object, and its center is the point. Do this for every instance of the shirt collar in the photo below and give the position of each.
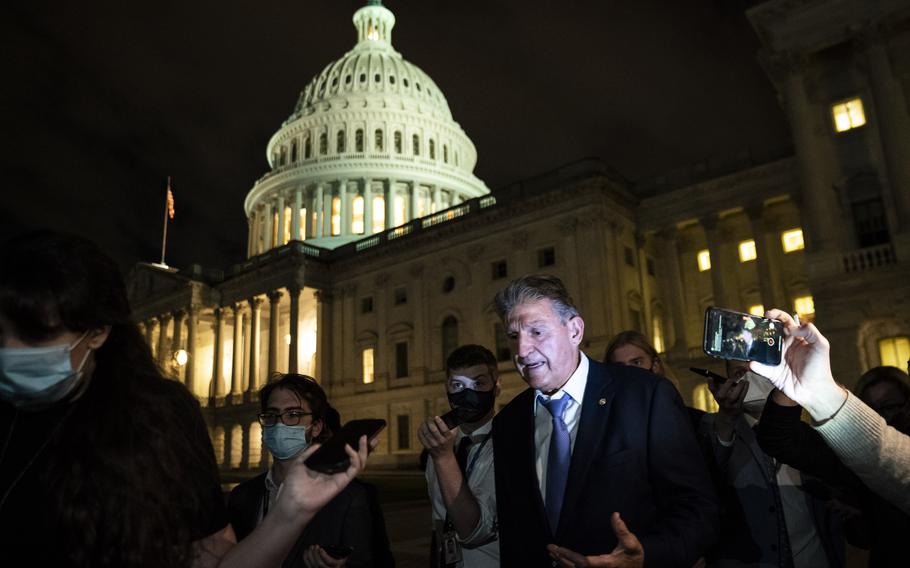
(574, 387)
(478, 434)
(270, 482)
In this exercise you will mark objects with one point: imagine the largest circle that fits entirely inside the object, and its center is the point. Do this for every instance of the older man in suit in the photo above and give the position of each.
(595, 464)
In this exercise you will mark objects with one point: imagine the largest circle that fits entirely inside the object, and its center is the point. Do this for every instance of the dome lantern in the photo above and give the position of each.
(374, 23)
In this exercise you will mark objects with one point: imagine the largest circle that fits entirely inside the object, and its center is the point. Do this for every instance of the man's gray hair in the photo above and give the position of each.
(531, 288)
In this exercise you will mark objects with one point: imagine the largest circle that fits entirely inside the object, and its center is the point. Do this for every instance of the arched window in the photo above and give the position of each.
(336, 216)
(284, 155)
(379, 142)
(358, 140)
(416, 145)
(357, 215)
(449, 337)
(323, 144)
(398, 142)
(307, 148)
(255, 446)
(445, 153)
(236, 446)
(339, 146)
(432, 149)
(293, 151)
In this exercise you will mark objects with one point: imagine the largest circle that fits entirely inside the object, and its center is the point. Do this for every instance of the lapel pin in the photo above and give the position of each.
(602, 402)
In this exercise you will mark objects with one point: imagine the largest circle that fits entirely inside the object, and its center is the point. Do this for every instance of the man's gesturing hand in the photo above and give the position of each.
(436, 437)
(627, 554)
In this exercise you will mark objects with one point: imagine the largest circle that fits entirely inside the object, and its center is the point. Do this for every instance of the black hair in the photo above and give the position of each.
(883, 374)
(468, 356)
(305, 388)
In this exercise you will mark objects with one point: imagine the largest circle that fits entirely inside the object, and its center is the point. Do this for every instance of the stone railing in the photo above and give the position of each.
(869, 258)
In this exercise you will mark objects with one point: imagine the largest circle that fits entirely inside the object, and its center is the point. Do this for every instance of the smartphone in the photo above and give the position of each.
(742, 337)
(452, 419)
(331, 457)
(337, 551)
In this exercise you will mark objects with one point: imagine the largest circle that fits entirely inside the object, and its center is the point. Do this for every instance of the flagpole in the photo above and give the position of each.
(166, 209)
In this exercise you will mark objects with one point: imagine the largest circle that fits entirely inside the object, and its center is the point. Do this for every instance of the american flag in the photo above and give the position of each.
(170, 200)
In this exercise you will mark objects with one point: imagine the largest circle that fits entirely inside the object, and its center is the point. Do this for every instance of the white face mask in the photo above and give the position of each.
(39, 376)
(757, 395)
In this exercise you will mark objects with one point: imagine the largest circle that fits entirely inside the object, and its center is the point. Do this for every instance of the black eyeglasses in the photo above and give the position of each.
(288, 417)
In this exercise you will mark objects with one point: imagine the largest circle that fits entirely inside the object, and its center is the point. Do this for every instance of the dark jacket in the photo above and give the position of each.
(635, 453)
(350, 519)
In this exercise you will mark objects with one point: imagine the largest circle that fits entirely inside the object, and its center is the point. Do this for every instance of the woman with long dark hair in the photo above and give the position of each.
(103, 462)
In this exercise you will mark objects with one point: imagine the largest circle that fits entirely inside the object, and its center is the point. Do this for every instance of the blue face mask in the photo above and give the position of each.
(39, 376)
(283, 441)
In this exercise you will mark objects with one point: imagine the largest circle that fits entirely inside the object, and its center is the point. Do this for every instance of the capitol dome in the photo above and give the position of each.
(371, 145)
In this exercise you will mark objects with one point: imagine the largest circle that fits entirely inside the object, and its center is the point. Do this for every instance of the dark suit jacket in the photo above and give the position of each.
(636, 454)
(346, 520)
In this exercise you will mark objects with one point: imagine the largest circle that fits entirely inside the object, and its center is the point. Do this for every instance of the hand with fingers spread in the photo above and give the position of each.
(627, 554)
(437, 438)
(306, 491)
(315, 557)
(804, 374)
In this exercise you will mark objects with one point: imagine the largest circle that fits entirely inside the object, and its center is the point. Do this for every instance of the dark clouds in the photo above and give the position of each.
(103, 100)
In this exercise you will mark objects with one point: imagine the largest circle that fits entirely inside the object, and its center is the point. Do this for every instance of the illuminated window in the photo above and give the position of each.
(702, 399)
(848, 115)
(747, 251)
(302, 235)
(401, 211)
(657, 333)
(757, 310)
(236, 446)
(336, 215)
(704, 260)
(274, 229)
(286, 233)
(372, 33)
(379, 142)
(367, 365)
(895, 351)
(378, 214)
(255, 445)
(792, 240)
(357, 216)
(804, 306)
(358, 140)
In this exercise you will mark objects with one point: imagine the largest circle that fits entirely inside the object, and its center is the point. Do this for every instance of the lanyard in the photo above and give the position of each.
(473, 462)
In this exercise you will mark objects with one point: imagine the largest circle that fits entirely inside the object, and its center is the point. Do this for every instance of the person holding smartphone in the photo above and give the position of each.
(459, 471)
(295, 415)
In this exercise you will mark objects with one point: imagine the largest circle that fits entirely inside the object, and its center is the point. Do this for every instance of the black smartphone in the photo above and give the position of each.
(742, 337)
(452, 419)
(337, 551)
(331, 457)
(718, 379)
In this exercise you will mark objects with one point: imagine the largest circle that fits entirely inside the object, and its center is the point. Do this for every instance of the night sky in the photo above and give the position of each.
(103, 100)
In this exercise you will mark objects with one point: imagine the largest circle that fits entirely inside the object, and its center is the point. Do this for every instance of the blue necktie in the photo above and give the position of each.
(558, 459)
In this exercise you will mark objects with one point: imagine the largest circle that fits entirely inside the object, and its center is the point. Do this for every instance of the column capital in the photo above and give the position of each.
(238, 308)
(275, 295)
(218, 311)
(179, 314)
(323, 296)
(164, 318)
(255, 303)
(294, 289)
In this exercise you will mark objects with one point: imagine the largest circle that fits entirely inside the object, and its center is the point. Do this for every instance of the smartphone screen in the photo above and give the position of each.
(742, 337)
(331, 457)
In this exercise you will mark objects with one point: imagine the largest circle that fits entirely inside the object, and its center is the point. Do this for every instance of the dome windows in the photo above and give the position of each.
(378, 141)
(417, 85)
(397, 142)
(392, 79)
(363, 77)
(323, 144)
(432, 149)
(339, 146)
(293, 151)
(307, 148)
(377, 77)
(358, 140)
(405, 81)
(445, 153)
(347, 79)
(416, 144)
(334, 82)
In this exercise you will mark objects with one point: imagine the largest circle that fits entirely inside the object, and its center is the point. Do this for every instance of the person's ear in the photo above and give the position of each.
(97, 337)
(315, 430)
(576, 327)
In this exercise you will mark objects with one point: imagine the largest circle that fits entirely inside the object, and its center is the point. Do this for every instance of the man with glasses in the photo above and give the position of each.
(459, 472)
(293, 416)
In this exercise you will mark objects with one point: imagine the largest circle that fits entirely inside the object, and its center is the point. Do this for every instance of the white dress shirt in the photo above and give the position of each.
(481, 547)
(543, 420)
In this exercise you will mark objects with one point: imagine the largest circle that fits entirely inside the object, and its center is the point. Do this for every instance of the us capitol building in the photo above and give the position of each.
(373, 250)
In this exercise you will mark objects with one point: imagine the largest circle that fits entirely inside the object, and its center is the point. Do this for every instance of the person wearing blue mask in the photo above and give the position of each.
(104, 462)
(294, 412)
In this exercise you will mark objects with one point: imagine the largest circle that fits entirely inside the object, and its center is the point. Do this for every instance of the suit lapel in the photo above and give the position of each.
(745, 431)
(592, 429)
(523, 456)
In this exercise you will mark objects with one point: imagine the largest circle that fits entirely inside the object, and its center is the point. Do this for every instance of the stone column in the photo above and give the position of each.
(237, 366)
(318, 209)
(294, 293)
(281, 221)
(390, 204)
(308, 221)
(274, 339)
(177, 341)
(367, 206)
(769, 297)
(718, 265)
(671, 278)
(893, 125)
(245, 375)
(413, 209)
(255, 337)
(267, 227)
(192, 326)
(821, 211)
(150, 333)
(163, 352)
(437, 199)
(217, 388)
(327, 201)
(345, 213)
(295, 215)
